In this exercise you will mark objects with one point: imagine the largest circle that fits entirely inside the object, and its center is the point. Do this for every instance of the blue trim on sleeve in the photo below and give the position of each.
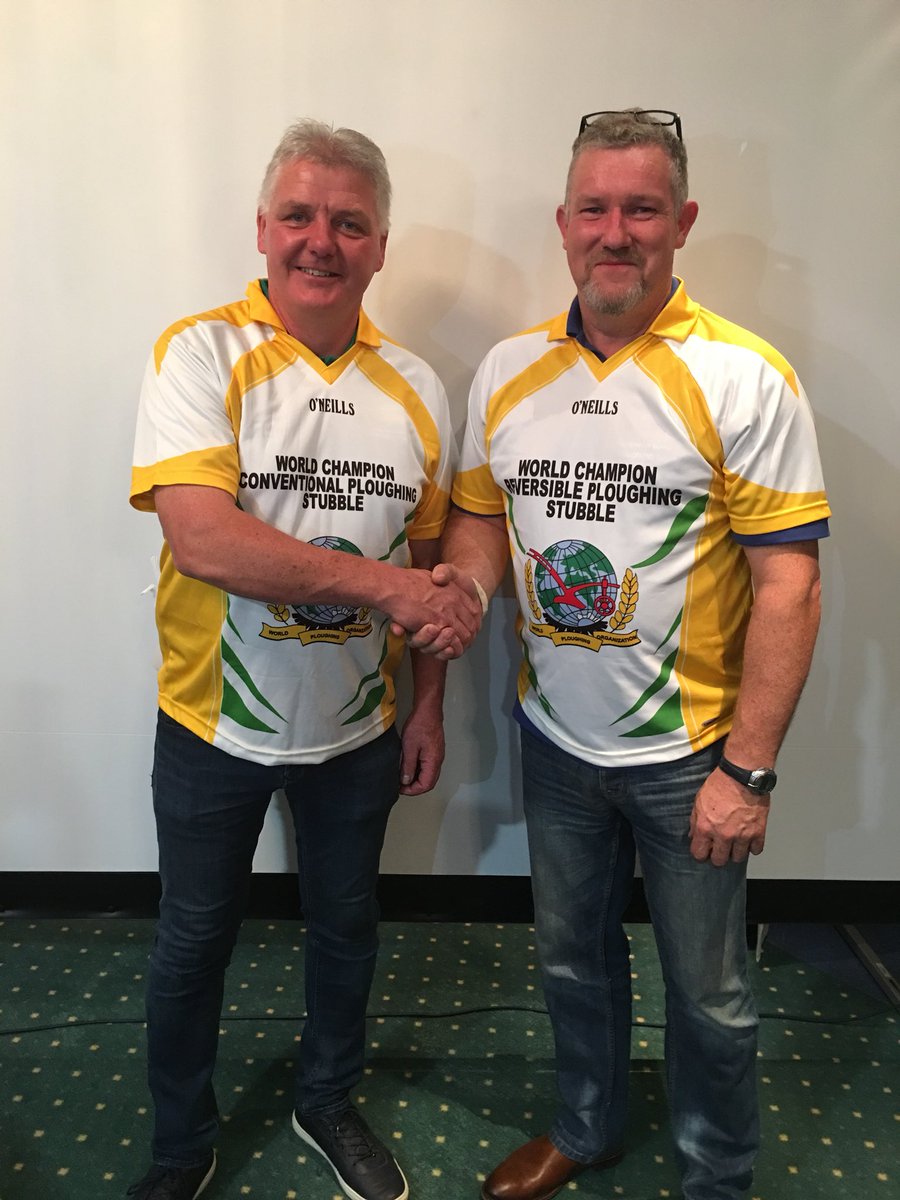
(812, 531)
(469, 513)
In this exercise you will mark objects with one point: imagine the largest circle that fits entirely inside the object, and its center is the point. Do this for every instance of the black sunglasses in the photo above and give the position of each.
(649, 116)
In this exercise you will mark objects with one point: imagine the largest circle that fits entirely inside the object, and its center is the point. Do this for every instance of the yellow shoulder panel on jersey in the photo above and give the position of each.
(389, 380)
(429, 517)
(681, 391)
(253, 368)
(532, 379)
(714, 328)
(237, 314)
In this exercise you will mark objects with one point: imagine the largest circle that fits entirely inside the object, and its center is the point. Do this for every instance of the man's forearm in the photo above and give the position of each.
(214, 541)
(778, 651)
(429, 676)
(477, 546)
(235, 551)
(729, 821)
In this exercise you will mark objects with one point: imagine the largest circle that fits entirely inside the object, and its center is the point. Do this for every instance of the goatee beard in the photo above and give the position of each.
(604, 305)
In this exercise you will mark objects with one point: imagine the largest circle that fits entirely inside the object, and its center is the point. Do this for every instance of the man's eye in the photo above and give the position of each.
(350, 226)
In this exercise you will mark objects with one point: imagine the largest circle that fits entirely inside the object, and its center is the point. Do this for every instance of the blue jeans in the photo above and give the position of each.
(583, 825)
(209, 809)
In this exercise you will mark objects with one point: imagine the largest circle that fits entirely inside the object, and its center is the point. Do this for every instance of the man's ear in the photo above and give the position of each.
(260, 231)
(562, 222)
(686, 219)
(384, 238)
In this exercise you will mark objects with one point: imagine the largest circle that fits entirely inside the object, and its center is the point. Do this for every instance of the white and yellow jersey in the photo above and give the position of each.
(625, 483)
(356, 456)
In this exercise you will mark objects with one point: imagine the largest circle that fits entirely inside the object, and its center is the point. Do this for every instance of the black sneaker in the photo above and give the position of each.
(363, 1165)
(174, 1183)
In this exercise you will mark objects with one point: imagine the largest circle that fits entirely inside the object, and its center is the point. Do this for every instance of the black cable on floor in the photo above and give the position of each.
(296, 1018)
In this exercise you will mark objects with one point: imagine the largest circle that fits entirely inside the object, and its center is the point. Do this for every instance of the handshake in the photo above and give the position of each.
(441, 610)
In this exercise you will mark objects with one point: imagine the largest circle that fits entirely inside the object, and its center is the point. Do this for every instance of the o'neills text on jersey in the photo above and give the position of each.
(331, 404)
(597, 407)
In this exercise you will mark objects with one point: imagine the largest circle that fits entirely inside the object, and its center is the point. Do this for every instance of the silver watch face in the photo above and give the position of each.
(762, 781)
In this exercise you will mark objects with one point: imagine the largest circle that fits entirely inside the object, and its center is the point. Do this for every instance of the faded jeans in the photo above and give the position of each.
(583, 825)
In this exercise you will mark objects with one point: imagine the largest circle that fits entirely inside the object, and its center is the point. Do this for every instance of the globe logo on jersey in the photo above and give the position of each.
(311, 623)
(575, 585)
(576, 599)
(329, 615)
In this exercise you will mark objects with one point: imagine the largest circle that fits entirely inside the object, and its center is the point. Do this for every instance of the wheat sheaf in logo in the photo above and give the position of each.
(575, 598)
(309, 623)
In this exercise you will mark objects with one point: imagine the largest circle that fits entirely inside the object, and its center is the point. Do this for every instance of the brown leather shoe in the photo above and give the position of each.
(537, 1171)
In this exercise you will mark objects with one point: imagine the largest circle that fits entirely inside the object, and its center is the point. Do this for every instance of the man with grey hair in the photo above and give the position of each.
(653, 471)
(300, 466)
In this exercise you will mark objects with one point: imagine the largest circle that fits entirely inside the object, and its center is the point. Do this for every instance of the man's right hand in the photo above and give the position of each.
(444, 641)
(438, 610)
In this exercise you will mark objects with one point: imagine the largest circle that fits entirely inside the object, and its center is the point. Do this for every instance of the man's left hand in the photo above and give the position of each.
(728, 821)
(422, 751)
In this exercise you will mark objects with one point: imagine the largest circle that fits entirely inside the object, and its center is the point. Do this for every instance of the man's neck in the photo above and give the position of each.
(610, 333)
(327, 334)
(607, 343)
(325, 339)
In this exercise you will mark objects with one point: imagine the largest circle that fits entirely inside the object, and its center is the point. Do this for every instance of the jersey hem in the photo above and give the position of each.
(633, 756)
(312, 757)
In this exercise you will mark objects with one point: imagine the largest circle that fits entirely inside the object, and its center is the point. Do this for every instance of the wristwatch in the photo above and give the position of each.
(761, 781)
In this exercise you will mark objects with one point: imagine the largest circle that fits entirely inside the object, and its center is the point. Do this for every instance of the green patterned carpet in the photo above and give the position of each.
(460, 1067)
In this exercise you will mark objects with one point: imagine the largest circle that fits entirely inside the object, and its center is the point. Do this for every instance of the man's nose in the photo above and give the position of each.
(320, 235)
(615, 232)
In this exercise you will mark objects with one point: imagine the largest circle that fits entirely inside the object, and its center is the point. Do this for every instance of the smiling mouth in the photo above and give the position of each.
(316, 273)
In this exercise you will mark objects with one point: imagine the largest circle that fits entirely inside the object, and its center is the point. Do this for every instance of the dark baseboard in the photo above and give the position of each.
(432, 897)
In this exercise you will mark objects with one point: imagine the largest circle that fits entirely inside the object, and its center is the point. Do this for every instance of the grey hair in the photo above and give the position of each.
(618, 130)
(320, 143)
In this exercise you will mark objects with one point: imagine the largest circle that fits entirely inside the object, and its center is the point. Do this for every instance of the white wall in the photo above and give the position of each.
(134, 137)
